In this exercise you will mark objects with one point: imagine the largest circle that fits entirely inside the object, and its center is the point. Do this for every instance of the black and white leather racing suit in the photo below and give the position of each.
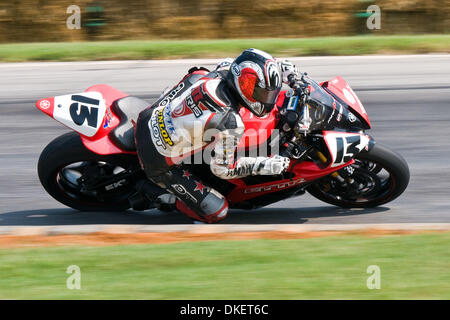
(199, 110)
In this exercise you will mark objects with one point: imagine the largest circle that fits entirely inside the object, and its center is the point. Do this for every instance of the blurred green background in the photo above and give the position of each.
(154, 29)
(411, 267)
(44, 20)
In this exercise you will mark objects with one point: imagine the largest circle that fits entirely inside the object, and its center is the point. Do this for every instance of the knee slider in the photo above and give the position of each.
(214, 208)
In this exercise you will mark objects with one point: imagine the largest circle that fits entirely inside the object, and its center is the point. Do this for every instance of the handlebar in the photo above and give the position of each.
(297, 115)
(301, 92)
(298, 84)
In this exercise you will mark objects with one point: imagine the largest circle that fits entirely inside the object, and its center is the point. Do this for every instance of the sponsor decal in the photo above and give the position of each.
(235, 70)
(190, 105)
(44, 104)
(107, 118)
(339, 116)
(351, 117)
(241, 171)
(168, 118)
(353, 98)
(197, 94)
(171, 95)
(334, 111)
(115, 185)
(196, 110)
(348, 95)
(181, 190)
(157, 138)
(180, 110)
(275, 187)
(162, 128)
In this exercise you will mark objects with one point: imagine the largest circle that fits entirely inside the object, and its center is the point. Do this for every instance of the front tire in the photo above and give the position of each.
(66, 164)
(381, 175)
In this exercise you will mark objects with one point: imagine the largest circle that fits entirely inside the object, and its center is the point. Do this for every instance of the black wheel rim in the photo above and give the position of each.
(371, 183)
(95, 182)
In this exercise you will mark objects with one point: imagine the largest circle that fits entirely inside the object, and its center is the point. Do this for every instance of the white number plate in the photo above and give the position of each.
(82, 112)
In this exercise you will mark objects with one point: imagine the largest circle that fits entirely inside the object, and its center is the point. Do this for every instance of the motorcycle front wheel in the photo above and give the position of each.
(377, 177)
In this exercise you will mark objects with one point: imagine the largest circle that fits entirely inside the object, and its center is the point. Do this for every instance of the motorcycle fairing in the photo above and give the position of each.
(82, 112)
(339, 87)
(342, 147)
(101, 143)
(303, 172)
(88, 113)
(257, 129)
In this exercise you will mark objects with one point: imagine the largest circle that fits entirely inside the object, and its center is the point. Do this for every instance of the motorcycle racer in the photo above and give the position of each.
(176, 125)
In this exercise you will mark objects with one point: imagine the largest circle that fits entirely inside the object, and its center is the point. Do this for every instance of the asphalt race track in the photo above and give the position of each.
(406, 97)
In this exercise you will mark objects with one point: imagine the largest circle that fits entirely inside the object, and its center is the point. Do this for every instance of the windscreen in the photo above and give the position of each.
(320, 105)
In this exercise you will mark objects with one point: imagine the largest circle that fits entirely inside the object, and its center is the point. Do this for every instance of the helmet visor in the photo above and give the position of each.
(266, 96)
(247, 82)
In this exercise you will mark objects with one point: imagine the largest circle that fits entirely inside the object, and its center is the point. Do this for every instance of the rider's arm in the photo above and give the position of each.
(225, 166)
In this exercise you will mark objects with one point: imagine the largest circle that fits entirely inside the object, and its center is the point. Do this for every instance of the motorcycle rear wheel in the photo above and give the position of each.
(66, 166)
(381, 175)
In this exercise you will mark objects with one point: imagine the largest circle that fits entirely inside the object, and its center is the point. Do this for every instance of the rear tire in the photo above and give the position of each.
(69, 149)
(383, 158)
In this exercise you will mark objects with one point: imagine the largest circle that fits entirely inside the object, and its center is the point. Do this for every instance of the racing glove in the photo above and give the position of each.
(288, 69)
(225, 166)
(270, 166)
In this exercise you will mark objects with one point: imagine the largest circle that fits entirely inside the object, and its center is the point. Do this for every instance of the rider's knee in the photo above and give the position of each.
(214, 208)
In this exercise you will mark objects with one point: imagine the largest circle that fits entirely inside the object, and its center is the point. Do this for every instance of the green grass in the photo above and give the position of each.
(152, 49)
(412, 267)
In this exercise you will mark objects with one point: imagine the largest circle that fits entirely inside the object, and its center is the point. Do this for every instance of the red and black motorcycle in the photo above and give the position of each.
(320, 126)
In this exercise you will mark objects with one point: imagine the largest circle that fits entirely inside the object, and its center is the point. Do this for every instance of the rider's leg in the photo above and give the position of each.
(151, 161)
(195, 199)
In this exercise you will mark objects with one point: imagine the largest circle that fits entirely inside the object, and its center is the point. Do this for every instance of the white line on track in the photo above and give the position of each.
(211, 61)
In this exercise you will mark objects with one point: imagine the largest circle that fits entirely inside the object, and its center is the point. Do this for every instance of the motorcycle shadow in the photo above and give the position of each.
(301, 215)
(65, 216)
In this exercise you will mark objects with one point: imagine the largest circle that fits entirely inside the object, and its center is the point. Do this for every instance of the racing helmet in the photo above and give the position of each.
(255, 77)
